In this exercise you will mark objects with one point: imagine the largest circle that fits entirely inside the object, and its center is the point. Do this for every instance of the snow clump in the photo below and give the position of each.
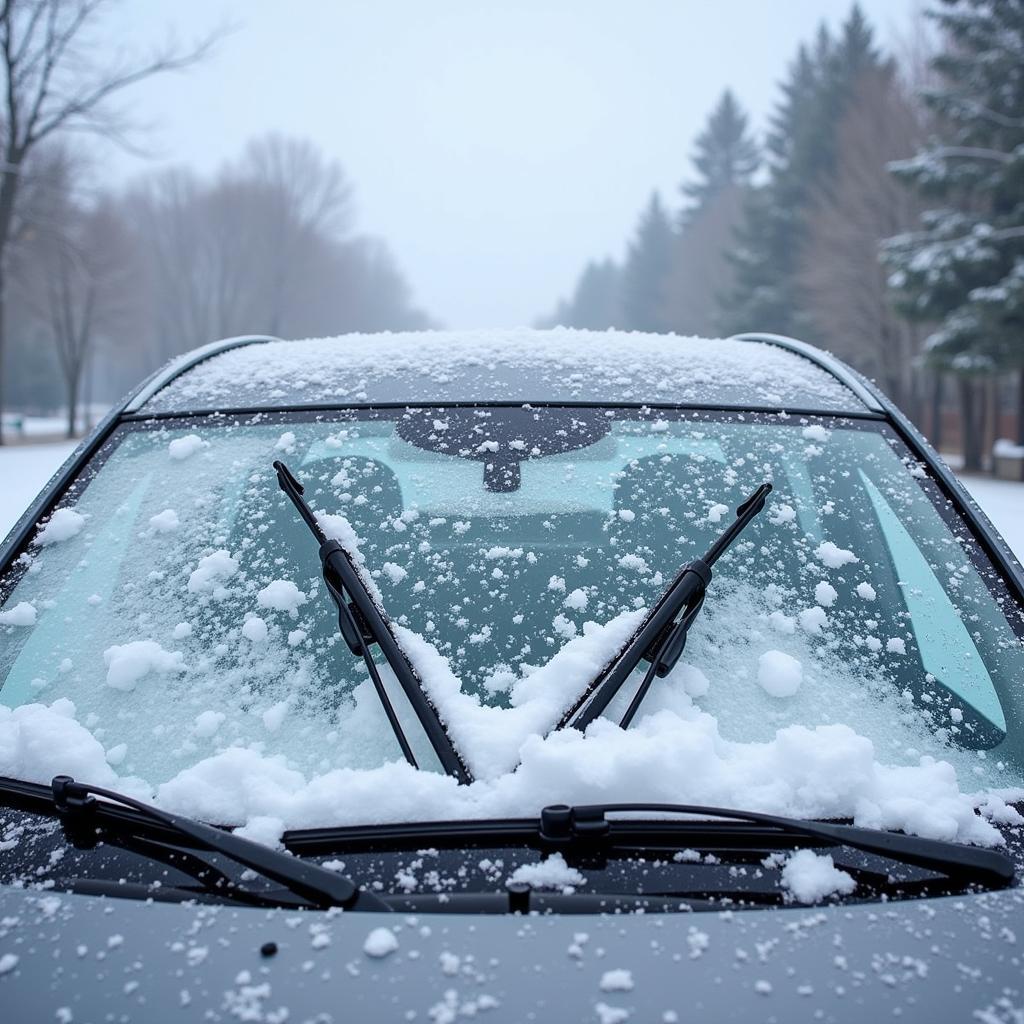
(64, 524)
(166, 521)
(779, 674)
(810, 877)
(22, 614)
(380, 942)
(834, 557)
(255, 629)
(128, 663)
(552, 873)
(281, 596)
(618, 980)
(183, 447)
(211, 571)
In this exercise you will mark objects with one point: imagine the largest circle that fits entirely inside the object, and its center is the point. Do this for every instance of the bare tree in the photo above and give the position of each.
(304, 196)
(842, 281)
(53, 83)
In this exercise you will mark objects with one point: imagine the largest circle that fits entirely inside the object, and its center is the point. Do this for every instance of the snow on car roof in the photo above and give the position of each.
(521, 365)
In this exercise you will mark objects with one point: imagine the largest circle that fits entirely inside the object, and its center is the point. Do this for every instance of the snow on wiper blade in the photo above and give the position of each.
(662, 637)
(76, 802)
(561, 824)
(361, 623)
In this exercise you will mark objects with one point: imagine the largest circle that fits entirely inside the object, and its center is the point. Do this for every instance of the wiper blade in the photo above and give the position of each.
(361, 623)
(564, 825)
(76, 802)
(662, 637)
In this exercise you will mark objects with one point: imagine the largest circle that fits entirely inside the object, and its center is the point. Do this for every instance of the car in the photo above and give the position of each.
(521, 675)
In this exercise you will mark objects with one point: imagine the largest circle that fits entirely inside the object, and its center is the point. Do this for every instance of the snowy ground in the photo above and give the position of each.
(24, 469)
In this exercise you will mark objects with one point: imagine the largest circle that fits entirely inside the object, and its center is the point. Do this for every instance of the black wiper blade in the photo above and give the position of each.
(76, 802)
(361, 623)
(662, 637)
(562, 824)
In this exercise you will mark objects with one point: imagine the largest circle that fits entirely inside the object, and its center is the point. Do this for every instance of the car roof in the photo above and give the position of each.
(560, 365)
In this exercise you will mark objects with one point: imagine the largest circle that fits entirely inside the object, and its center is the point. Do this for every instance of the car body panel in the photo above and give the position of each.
(945, 959)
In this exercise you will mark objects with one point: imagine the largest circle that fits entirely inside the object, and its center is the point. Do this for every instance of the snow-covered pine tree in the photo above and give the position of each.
(965, 268)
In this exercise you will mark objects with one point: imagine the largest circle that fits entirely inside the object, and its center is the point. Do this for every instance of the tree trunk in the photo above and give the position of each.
(936, 412)
(969, 424)
(3, 338)
(1020, 408)
(72, 384)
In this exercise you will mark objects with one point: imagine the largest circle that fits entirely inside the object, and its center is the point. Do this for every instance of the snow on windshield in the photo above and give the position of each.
(518, 365)
(168, 633)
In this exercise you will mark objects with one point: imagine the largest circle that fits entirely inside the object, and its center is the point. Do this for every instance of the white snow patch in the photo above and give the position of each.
(825, 594)
(64, 524)
(810, 877)
(550, 873)
(617, 980)
(184, 447)
(211, 571)
(834, 557)
(255, 629)
(380, 942)
(263, 828)
(281, 596)
(128, 663)
(166, 521)
(394, 572)
(22, 614)
(716, 511)
(779, 674)
(813, 620)
(866, 592)
(208, 722)
(285, 443)
(816, 433)
(576, 599)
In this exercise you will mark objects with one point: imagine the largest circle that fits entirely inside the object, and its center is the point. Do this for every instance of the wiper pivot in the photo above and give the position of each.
(561, 824)
(76, 802)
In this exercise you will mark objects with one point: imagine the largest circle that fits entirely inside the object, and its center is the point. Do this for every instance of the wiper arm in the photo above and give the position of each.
(562, 824)
(76, 801)
(662, 638)
(361, 623)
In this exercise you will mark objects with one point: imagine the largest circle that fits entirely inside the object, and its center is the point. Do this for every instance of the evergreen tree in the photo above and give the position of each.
(965, 268)
(800, 155)
(595, 300)
(645, 274)
(725, 153)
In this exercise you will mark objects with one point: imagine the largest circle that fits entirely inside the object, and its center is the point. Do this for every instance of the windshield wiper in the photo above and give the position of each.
(361, 624)
(76, 802)
(662, 638)
(561, 824)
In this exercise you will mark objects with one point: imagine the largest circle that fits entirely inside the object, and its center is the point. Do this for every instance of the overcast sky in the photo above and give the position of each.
(496, 145)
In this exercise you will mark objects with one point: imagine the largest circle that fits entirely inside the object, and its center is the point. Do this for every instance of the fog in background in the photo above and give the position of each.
(850, 173)
(495, 146)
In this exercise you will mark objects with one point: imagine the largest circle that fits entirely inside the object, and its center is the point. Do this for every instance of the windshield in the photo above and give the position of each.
(175, 599)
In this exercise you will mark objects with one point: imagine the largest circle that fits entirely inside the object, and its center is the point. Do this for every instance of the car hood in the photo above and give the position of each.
(83, 958)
